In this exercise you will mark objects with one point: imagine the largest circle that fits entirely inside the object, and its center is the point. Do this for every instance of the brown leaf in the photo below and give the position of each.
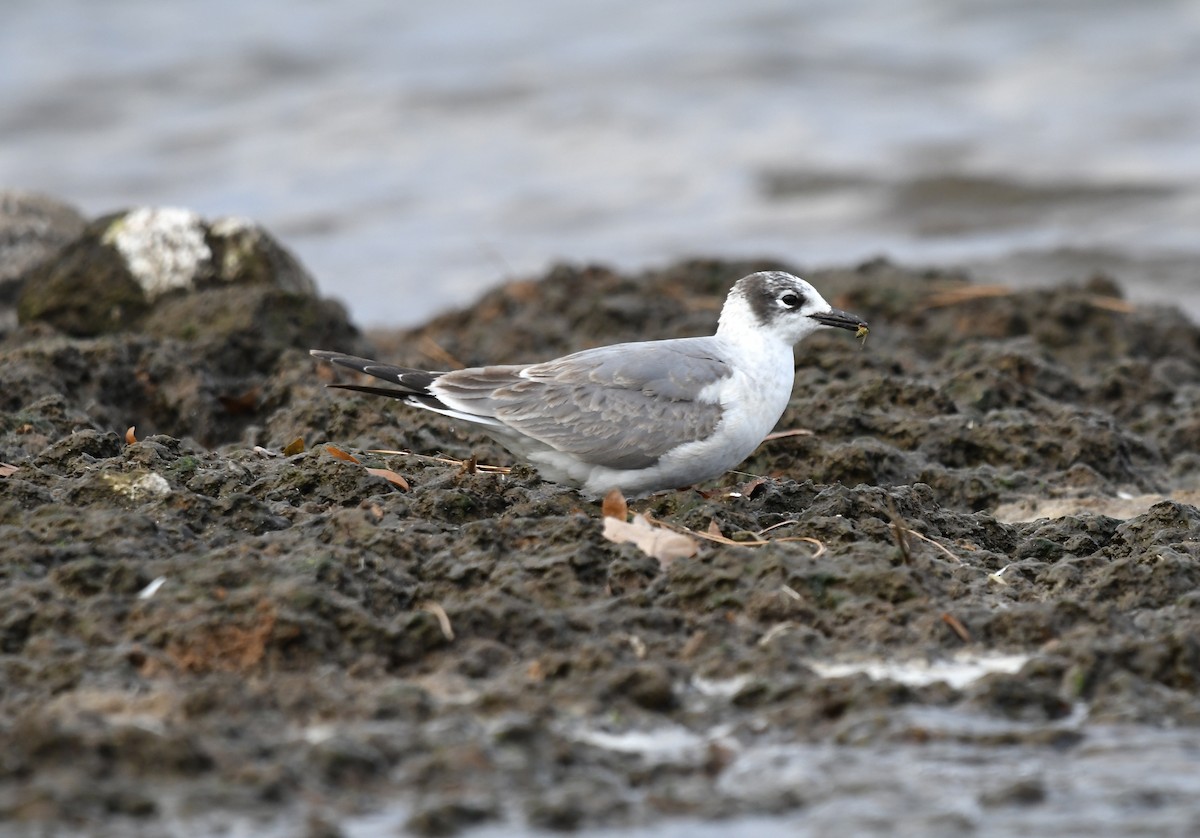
(752, 487)
(957, 627)
(614, 505)
(242, 403)
(296, 446)
(714, 530)
(130, 436)
(469, 465)
(657, 542)
(7, 470)
(340, 454)
(390, 476)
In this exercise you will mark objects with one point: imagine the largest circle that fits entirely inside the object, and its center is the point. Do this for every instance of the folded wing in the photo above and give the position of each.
(621, 407)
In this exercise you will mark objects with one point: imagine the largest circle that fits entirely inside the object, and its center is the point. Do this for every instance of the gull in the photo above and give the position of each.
(639, 417)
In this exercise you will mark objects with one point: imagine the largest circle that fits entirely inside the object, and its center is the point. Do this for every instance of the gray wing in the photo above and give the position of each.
(621, 406)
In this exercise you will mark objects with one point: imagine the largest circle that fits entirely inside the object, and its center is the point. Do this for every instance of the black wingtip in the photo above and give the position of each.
(415, 381)
(341, 359)
(386, 392)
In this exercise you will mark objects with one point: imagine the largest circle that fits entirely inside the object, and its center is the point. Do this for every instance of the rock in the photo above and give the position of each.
(124, 265)
(32, 229)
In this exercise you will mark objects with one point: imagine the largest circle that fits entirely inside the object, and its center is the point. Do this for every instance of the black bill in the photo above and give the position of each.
(840, 320)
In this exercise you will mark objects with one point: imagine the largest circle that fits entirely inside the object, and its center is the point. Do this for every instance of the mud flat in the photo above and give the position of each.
(962, 598)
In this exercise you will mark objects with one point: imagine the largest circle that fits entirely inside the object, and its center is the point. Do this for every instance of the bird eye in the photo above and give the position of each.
(791, 300)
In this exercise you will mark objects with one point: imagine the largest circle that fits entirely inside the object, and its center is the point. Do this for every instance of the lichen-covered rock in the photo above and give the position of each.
(172, 325)
(123, 265)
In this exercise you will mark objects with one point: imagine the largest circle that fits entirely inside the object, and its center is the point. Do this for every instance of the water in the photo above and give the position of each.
(412, 154)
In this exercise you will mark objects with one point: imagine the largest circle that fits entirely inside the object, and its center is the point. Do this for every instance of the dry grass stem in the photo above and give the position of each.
(449, 461)
(965, 294)
(440, 613)
(936, 544)
(433, 350)
(720, 539)
(775, 631)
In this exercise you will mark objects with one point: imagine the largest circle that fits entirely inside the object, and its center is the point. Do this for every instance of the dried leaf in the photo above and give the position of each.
(957, 627)
(614, 505)
(658, 542)
(786, 434)
(242, 403)
(296, 446)
(390, 476)
(714, 530)
(469, 465)
(7, 470)
(752, 487)
(130, 436)
(340, 454)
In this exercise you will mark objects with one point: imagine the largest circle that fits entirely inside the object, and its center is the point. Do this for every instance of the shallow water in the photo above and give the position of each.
(413, 154)
(1118, 782)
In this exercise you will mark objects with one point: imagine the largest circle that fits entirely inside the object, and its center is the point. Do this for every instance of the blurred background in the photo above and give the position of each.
(412, 154)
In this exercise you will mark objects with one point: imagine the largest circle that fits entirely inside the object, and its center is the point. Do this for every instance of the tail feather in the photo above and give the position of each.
(415, 384)
(414, 381)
